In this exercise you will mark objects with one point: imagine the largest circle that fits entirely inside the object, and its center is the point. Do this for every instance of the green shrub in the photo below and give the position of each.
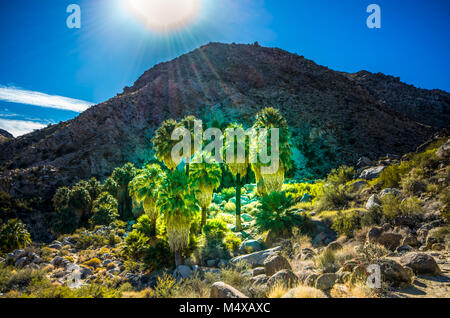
(228, 193)
(85, 239)
(232, 243)
(135, 244)
(13, 235)
(93, 262)
(215, 230)
(347, 223)
(333, 197)
(104, 210)
(341, 175)
(392, 206)
(145, 226)
(158, 256)
(274, 214)
(211, 245)
(413, 183)
(373, 216)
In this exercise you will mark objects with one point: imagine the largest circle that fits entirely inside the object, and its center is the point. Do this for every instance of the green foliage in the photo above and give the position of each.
(111, 186)
(86, 239)
(163, 143)
(228, 193)
(11, 207)
(333, 197)
(135, 244)
(393, 206)
(104, 210)
(341, 175)
(274, 214)
(158, 256)
(178, 208)
(145, 225)
(347, 223)
(123, 176)
(215, 230)
(13, 235)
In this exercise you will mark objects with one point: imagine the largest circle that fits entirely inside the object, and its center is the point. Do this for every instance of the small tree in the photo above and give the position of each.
(178, 207)
(13, 235)
(104, 210)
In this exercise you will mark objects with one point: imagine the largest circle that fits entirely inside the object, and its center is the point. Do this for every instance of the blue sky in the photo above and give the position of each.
(49, 73)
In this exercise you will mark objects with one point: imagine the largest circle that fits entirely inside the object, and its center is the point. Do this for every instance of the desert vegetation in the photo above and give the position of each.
(163, 230)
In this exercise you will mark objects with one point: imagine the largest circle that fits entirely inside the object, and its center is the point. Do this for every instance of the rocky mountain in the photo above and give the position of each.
(4, 135)
(334, 117)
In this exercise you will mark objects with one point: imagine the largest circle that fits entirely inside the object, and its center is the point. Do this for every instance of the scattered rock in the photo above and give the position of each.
(421, 263)
(255, 259)
(334, 246)
(250, 246)
(393, 191)
(358, 185)
(371, 173)
(222, 290)
(325, 281)
(394, 273)
(258, 271)
(284, 277)
(182, 271)
(211, 262)
(275, 263)
(373, 202)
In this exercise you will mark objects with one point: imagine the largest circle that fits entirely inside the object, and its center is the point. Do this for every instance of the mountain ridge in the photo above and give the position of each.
(335, 117)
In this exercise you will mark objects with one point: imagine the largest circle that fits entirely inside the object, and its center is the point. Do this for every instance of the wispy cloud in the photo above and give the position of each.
(19, 127)
(22, 96)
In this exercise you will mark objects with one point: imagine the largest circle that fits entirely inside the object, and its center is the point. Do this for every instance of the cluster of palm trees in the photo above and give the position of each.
(177, 195)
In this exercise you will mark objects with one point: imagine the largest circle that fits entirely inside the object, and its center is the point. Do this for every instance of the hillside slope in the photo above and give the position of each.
(334, 117)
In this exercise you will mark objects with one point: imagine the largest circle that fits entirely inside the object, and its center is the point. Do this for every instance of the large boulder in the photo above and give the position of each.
(285, 278)
(222, 290)
(182, 271)
(390, 240)
(250, 246)
(421, 263)
(394, 273)
(371, 173)
(326, 281)
(393, 191)
(255, 259)
(275, 263)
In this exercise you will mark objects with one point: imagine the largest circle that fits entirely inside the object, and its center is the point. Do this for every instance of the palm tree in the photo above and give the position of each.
(238, 170)
(188, 122)
(145, 187)
(163, 143)
(271, 118)
(123, 176)
(205, 177)
(178, 207)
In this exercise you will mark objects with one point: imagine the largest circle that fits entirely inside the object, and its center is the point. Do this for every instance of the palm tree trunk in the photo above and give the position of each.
(187, 170)
(238, 202)
(178, 259)
(203, 219)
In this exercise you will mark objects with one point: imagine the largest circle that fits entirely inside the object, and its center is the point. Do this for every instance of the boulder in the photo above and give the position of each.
(373, 234)
(284, 278)
(182, 271)
(211, 262)
(389, 240)
(326, 281)
(371, 173)
(444, 151)
(394, 273)
(258, 271)
(410, 240)
(259, 280)
(421, 263)
(222, 290)
(21, 262)
(250, 246)
(373, 202)
(311, 279)
(255, 259)
(404, 249)
(275, 263)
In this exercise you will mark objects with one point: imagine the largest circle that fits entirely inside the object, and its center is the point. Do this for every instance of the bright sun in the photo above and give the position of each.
(165, 15)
